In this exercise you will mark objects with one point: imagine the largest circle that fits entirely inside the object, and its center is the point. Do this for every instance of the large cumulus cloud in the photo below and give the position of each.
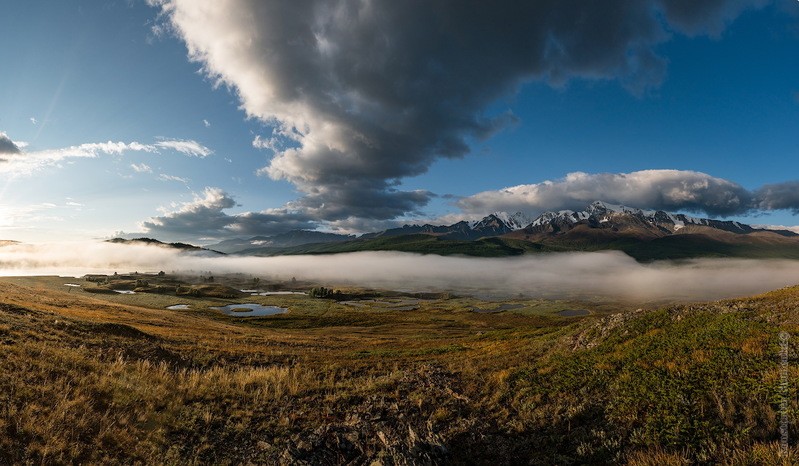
(204, 217)
(669, 190)
(364, 93)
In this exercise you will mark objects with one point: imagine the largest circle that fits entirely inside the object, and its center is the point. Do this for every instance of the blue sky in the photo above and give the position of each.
(710, 91)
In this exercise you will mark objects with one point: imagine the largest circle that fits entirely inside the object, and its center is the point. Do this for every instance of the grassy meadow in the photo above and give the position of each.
(95, 377)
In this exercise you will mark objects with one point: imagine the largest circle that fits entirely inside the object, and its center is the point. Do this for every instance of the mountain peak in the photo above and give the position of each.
(514, 221)
(605, 215)
(599, 216)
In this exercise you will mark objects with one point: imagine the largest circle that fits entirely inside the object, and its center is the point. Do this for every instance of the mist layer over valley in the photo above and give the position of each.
(602, 275)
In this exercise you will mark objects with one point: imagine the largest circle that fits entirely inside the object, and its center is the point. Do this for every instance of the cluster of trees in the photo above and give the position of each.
(322, 292)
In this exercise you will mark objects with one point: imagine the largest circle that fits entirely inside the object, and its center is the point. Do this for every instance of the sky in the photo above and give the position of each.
(200, 120)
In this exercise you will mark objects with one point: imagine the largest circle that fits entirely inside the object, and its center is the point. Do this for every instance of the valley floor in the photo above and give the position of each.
(119, 379)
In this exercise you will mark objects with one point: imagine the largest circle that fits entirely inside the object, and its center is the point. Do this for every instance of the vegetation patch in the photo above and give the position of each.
(88, 378)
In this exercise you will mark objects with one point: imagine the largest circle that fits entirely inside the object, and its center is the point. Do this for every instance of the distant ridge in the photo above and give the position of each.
(495, 224)
(155, 242)
(642, 234)
(288, 239)
(599, 213)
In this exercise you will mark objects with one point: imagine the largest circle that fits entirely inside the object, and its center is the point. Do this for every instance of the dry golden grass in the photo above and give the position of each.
(111, 379)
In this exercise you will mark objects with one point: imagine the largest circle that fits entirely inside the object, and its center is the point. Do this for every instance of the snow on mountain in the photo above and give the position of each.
(602, 212)
(514, 221)
(548, 217)
(597, 215)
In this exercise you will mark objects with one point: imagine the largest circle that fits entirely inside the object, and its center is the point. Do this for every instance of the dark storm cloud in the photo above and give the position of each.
(202, 216)
(366, 93)
(270, 222)
(778, 196)
(707, 16)
(362, 200)
(7, 146)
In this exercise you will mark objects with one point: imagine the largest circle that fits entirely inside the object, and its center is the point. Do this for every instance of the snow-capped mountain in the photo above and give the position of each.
(515, 221)
(495, 224)
(598, 223)
(500, 223)
(603, 215)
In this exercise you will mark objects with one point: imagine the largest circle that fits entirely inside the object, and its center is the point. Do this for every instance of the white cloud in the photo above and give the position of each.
(33, 120)
(670, 190)
(261, 143)
(16, 216)
(185, 146)
(206, 123)
(29, 162)
(14, 161)
(650, 189)
(165, 177)
(141, 168)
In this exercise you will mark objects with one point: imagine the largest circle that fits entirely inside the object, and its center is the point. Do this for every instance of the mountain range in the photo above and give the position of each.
(154, 242)
(283, 240)
(643, 234)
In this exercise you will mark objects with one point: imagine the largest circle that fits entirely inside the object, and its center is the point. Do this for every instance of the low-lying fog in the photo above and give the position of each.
(604, 275)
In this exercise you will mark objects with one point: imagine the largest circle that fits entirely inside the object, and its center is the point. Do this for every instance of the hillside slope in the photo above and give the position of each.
(154, 242)
(83, 380)
(418, 243)
(644, 235)
(678, 246)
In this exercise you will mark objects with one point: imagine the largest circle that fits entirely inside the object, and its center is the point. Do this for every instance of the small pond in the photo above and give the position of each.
(250, 310)
(125, 291)
(178, 307)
